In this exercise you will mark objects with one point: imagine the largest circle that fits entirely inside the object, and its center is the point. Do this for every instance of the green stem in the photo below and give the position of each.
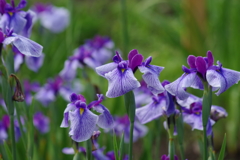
(125, 28)
(205, 155)
(131, 141)
(14, 151)
(171, 150)
(89, 149)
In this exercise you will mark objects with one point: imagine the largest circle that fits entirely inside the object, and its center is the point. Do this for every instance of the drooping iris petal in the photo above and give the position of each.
(82, 125)
(105, 120)
(18, 60)
(34, 63)
(150, 76)
(102, 70)
(70, 107)
(222, 79)
(177, 88)
(24, 45)
(120, 82)
(151, 111)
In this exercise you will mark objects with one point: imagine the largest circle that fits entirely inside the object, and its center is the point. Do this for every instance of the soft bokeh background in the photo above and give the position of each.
(168, 30)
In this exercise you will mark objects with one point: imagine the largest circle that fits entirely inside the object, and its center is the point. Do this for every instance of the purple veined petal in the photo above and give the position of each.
(188, 101)
(82, 125)
(18, 60)
(177, 88)
(195, 121)
(201, 66)
(150, 76)
(102, 70)
(70, 107)
(69, 71)
(105, 120)
(150, 112)
(56, 19)
(191, 61)
(34, 63)
(222, 79)
(210, 58)
(24, 45)
(120, 82)
(17, 22)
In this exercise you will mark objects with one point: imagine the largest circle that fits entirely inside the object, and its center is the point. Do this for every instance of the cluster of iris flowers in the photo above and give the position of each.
(151, 98)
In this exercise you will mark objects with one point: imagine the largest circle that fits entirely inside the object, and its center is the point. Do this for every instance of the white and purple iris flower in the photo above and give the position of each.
(15, 27)
(41, 122)
(122, 125)
(82, 121)
(202, 69)
(95, 52)
(161, 105)
(120, 74)
(55, 19)
(192, 113)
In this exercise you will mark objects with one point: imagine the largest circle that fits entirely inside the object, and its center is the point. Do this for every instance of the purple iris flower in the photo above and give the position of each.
(192, 113)
(28, 88)
(55, 19)
(82, 121)
(120, 74)
(165, 157)
(202, 69)
(48, 92)
(122, 125)
(161, 105)
(41, 122)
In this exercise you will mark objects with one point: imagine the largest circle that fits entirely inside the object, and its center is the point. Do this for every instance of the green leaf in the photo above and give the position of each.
(9, 154)
(222, 152)
(89, 149)
(207, 103)
(115, 146)
(121, 148)
(130, 105)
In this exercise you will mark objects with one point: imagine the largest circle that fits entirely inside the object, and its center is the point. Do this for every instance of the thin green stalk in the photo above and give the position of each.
(124, 27)
(89, 149)
(205, 154)
(14, 150)
(131, 141)
(171, 147)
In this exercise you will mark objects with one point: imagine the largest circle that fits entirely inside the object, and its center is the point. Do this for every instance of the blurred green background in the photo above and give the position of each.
(167, 30)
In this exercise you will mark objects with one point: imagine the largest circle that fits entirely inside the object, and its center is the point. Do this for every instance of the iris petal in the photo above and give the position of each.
(82, 125)
(120, 82)
(102, 70)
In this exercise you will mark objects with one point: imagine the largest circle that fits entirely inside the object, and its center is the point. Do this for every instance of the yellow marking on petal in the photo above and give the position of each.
(10, 13)
(123, 70)
(81, 111)
(197, 113)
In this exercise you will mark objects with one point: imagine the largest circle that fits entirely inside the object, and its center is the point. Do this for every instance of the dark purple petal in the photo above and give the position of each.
(210, 58)
(150, 76)
(1, 36)
(120, 82)
(30, 15)
(191, 61)
(135, 62)
(82, 124)
(222, 79)
(132, 53)
(21, 4)
(201, 66)
(2, 6)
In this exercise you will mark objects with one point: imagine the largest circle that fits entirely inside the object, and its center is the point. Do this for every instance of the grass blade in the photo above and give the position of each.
(222, 152)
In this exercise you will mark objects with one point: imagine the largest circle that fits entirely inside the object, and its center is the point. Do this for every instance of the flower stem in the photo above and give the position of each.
(89, 149)
(14, 151)
(130, 107)
(171, 147)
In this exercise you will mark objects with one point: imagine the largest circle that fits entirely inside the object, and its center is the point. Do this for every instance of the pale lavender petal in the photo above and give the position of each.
(27, 46)
(92, 63)
(70, 107)
(17, 23)
(45, 96)
(56, 19)
(34, 63)
(222, 79)
(151, 111)
(82, 125)
(69, 71)
(105, 120)
(18, 60)
(120, 82)
(68, 150)
(150, 76)
(102, 70)
(177, 88)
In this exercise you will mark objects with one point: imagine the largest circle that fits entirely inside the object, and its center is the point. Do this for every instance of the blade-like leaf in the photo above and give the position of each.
(115, 146)
(222, 152)
(121, 147)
